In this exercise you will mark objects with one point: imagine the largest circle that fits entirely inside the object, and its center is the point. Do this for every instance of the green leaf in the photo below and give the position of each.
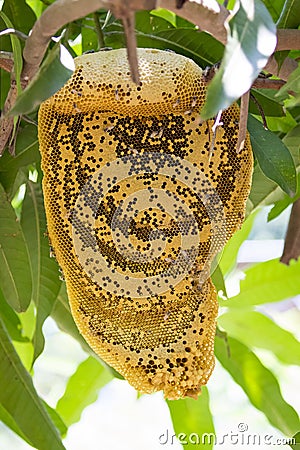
(199, 46)
(20, 14)
(17, 51)
(273, 156)
(259, 384)
(155, 32)
(49, 79)
(27, 152)
(269, 281)
(89, 37)
(192, 421)
(82, 389)
(274, 8)
(289, 17)
(292, 85)
(244, 58)
(270, 104)
(257, 330)
(15, 274)
(169, 16)
(231, 249)
(283, 203)
(218, 279)
(56, 419)
(19, 398)
(9, 421)
(263, 191)
(45, 273)
(11, 321)
(296, 441)
(62, 315)
(292, 141)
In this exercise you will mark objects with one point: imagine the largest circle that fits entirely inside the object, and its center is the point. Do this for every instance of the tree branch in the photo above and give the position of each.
(56, 16)
(292, 240)
(267, 83)
(243, 121)
(287, 67)
(6, 61)
(288, 39)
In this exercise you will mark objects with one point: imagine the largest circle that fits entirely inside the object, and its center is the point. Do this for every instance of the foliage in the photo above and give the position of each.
(29, 278)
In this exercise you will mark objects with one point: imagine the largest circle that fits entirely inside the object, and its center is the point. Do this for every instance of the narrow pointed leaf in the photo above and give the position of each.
(154, 32)
(46, 282)
(192, 421)
(11, 321)
(9, 421)
(19, 398)
(231, 249)
(169, 16)
(82, 389)
(274, 8)
(251, 40)
(296, 441)
(217, 277)
(257, 330)
(26, 152)
(17, 51)
(15, 273)
(62, 315)
(289, 17)
(20, 14)
(292, 85)
(56, 419)
(50, 78)
(273, 156)
(259, 384)
(270, 281)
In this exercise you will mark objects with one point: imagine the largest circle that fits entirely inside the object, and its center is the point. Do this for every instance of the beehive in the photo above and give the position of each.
(140, 195)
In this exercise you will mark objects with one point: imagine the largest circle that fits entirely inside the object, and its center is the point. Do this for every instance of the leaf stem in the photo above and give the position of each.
(99, 32)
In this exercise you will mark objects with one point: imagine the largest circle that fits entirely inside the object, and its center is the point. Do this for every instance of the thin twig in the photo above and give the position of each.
(243, 121)
(17, 33)
(99, 32)
(260, 109)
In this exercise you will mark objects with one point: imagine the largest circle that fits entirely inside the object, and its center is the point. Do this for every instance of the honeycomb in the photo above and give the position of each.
(140, 196)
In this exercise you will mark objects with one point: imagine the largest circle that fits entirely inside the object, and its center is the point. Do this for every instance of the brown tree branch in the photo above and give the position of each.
(292, 239)
(288, 66)
(267, 83)
(288, 39)
(56, 16)
(6, 61)
(243, 121)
